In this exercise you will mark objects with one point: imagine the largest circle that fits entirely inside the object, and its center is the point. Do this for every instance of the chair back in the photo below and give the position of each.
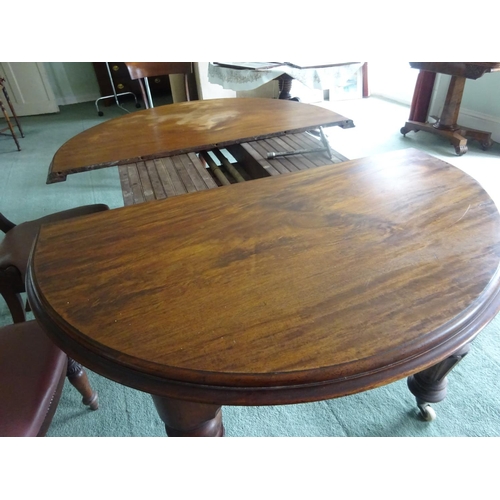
(143, 70)
(150, 69)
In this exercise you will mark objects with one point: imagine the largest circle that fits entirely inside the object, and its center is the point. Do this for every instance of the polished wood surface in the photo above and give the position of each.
(287, 289)
(184, 127)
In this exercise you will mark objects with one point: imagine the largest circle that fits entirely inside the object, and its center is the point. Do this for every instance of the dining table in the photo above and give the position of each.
(288, 289)
(186, 127)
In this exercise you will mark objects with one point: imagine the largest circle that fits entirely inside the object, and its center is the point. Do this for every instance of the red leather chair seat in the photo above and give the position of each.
(32, 373)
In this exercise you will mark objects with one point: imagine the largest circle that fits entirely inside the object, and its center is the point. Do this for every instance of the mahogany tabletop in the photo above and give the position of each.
(287, 289)
(184, 127)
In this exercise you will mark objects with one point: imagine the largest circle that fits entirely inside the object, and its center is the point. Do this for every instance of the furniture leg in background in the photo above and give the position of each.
(115, 95)
(4, 111)
(447, 125)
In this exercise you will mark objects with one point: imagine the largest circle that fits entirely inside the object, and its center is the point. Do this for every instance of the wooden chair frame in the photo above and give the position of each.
(142, 71)
(7, 118)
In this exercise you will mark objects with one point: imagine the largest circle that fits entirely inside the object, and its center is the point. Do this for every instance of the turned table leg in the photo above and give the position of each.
(79, 380)
(429, 386)
(285, 86)
(188, 419)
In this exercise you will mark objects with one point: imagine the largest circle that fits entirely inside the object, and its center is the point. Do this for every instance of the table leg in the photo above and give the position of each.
(447, 125)
(285, 86)
(429, 386)
(79, 380)
(188, 419)
(449, 116)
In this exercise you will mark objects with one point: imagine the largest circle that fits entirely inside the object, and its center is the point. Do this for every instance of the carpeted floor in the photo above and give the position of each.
(472, 407)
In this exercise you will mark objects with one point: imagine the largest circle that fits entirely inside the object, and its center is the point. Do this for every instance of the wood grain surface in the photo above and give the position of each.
(183, 127)
(293, 288)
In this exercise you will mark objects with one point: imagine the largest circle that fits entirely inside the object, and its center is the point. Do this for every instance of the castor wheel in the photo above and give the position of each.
(427, 412)
(137, 104)
(100, 113)
(461, 150)
(404, 131)
(486, 145)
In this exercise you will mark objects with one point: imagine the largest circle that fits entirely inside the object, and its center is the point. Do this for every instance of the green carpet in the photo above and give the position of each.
(472, 407)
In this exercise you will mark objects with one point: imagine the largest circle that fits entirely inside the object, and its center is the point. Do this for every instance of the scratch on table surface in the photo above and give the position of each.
(463, 214)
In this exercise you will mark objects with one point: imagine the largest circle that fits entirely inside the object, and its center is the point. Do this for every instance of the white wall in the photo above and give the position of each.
(394, 80)
(72, 82)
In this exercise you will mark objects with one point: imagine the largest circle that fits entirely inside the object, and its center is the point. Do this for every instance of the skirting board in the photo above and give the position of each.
(475, 120)
(75, 99)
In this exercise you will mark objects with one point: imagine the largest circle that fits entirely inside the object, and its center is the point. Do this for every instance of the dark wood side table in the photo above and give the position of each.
(300, 287)
(447, 125)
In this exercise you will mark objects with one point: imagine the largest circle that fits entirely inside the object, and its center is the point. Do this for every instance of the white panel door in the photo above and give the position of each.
(28, 88)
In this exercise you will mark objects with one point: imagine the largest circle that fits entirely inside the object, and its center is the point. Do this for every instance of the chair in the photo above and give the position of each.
(32, 374)
(14, 255)
(143, 70)
(4, 111)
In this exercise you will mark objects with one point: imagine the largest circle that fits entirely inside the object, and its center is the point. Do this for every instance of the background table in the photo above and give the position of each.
(295, 288)
(447, 125)
(249, 76)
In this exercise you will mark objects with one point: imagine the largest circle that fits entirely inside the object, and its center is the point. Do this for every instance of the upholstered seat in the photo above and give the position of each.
(32, 372)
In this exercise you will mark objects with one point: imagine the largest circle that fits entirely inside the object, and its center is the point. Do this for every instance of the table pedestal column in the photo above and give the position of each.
(187, 419)
(285, 86)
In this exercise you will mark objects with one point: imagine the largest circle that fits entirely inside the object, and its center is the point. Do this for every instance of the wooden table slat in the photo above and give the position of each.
(186, 173)
(165, 177)
(202, 171)
(174, 175)
(135, 183)
(193, 173)
(305, 161)
(145, 181)
(156, 184)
